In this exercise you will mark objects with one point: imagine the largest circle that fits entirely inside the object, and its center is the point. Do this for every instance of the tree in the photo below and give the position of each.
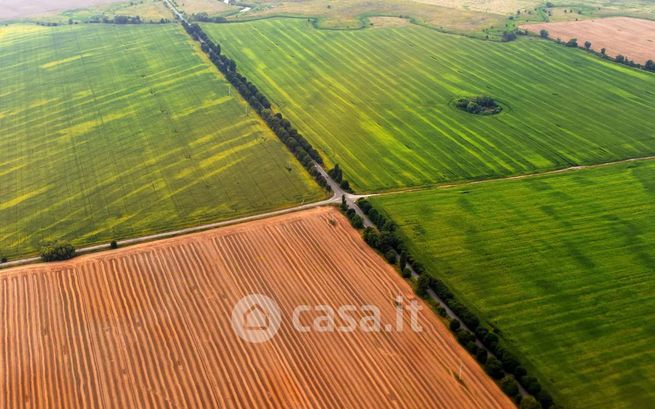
(345, 185)
(529, 402)
(390, 256)
(406, 273)
(531, 384)
(3, 260)
(509, 385)
(357, 221)
(454, 325)
(602, 51)
(403, 260)
(493, 368)
(587, 45)
(422, 286)
(57, 251)
(544, 33)
(344, 204)
(650, 65)
(482, 356)
(336, 173)
(572, 42)
(113, 244)
(619, 58)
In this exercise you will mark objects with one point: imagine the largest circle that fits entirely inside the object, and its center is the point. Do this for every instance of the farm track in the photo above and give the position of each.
(335, 199)
(516, 177)
(149, 326)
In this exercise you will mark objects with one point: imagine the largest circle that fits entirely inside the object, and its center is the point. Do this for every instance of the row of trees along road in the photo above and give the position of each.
(281, 126)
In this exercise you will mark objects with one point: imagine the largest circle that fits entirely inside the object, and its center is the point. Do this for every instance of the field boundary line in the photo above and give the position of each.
(180, 232)
(503, 178)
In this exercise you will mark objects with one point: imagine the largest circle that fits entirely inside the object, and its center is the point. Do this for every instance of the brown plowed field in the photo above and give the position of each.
(149, 326)
(631, 37)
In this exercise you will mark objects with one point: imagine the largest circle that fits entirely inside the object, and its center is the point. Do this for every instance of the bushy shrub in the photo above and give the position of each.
(531, 384)
(529, 402)
(455, 325)
(422, 286)
(493, 368)
(390, 256)
(544, 399)
(481, 356)
(509, 385)
(57, 251)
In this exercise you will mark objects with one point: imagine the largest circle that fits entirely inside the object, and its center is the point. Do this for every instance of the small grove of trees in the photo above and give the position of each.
(119, 19)
(479, 105)
(282, 128)
(57, 251)
(204, 18)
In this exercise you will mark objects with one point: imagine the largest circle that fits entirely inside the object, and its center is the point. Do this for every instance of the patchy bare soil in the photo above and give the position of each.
(389, 21)
(630, 37)
(149, 326)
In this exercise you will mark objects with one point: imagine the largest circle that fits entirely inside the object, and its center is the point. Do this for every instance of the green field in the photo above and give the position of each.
(111, 131)
(378, 101)
(563, 265)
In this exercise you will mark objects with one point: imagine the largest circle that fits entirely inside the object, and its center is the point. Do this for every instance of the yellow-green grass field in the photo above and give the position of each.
(110, 131)
(563, 265)
(379, 100)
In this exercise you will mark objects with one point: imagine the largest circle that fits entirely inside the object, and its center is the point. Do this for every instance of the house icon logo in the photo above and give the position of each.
(256, 318)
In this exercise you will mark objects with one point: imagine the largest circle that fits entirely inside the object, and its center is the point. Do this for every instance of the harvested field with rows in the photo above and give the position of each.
(631, 37)
(149, 326)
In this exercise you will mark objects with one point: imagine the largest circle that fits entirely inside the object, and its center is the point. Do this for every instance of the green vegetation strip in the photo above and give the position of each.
(110, 132)
(379, 101)
(562, 265)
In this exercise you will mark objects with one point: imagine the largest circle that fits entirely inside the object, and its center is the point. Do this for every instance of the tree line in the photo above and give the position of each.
(620, 58)
(281, 126)
(205, 18)
(503, 366)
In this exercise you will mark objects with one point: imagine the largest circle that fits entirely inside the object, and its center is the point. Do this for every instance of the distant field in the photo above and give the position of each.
(14, 9)
(115, 131)
(211, 7)
(630, 37)
(379, 101)
(561, 264)
(353, 13)
(150, 327)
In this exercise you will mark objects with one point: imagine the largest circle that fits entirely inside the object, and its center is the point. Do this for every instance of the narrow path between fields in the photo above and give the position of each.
(515, 177)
